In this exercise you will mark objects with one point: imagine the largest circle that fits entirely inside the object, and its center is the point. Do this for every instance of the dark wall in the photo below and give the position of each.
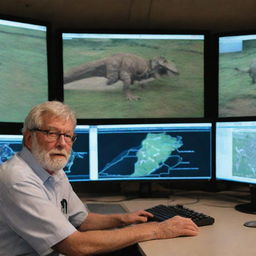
(215, 16)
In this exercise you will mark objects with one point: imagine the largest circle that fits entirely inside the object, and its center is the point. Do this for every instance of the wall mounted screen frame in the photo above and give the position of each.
(174, 96)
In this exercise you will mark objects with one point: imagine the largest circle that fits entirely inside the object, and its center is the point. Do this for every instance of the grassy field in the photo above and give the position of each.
(237, 94)
(179, 96)
(23, 72)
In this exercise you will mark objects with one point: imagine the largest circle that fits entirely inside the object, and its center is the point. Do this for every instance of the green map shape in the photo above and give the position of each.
(155, 150)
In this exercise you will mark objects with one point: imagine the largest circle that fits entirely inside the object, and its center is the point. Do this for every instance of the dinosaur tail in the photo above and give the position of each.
(95, 68)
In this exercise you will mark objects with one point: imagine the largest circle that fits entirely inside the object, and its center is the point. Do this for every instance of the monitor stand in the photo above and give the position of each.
(152, 190)
(249, 207)
(145, 189)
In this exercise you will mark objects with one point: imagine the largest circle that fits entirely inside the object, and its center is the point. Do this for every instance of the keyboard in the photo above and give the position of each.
(162, 212)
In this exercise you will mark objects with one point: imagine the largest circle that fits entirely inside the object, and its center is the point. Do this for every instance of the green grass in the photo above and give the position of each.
(23, 72)
(237, 94)
(180, 96)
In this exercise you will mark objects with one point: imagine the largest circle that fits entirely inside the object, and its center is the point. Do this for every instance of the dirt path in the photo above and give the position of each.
(93, 84)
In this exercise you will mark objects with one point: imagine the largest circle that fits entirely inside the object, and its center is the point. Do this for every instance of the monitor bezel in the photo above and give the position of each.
(208, 109)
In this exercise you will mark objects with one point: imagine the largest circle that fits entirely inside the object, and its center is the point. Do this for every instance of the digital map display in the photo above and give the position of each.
(121, 152)
(159, 155)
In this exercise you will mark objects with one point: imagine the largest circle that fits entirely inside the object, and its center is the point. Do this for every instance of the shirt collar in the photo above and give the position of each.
(28, 157)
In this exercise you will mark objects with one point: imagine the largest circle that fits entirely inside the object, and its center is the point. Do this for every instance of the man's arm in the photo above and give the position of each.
(96, 221)
(102, 241)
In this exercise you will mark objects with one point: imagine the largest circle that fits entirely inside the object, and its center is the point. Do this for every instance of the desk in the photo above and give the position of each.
(226, 237)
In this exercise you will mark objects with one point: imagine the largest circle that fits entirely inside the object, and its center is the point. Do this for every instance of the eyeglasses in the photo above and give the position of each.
(54, 136)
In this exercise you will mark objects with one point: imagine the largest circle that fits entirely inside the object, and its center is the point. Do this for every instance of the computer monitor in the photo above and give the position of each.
(77, 168)
(135, 152)
(24, 67)
(237, 75)
(235, 156)
(134, 75)
(152, 152)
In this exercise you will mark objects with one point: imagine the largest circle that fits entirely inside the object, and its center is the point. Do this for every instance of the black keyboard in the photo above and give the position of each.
(162, 212)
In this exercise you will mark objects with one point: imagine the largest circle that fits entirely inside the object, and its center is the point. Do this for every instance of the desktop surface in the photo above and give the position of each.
(227, 236)
(104, 208)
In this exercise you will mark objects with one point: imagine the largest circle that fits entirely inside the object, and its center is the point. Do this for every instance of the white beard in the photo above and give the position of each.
(43, 157)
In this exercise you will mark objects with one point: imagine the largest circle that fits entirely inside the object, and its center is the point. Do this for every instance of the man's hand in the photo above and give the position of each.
(139, 216)
(93, 242)
(176, 226)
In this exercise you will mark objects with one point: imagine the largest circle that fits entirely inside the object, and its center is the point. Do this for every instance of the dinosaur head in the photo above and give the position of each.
(161, 66)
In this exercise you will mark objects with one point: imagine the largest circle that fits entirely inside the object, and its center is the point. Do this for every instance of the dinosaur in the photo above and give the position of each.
(128, 68)
(251, 71)
(72, 158)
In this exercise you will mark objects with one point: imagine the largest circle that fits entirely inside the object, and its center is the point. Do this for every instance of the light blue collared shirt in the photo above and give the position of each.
(33, 217)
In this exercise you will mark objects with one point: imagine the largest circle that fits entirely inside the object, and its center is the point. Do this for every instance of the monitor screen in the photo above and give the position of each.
(77, 168)
(236, 151)
(24, 71)
(153, 152)
(237, 75)
(134, 152)
(134, 75)
(9, 145)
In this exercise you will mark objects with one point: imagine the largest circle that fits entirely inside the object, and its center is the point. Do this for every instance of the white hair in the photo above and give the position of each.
(54, 108)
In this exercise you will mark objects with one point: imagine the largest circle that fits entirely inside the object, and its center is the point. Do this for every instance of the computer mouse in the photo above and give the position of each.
(250, 224)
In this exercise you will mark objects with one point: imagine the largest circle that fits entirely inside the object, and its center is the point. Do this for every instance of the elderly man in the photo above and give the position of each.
(40, 214)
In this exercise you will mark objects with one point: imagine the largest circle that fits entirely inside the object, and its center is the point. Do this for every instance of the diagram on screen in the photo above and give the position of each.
(158, 154)
(74, 155)
(6, 152)
(9, 146)
(244, 152)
